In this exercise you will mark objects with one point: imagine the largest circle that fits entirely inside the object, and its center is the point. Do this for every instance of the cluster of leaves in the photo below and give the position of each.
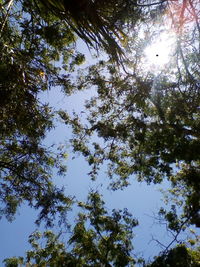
(31, 44)
(99, 23)
(97, 239)
(147, 123)
(57, 256)
(177, 257)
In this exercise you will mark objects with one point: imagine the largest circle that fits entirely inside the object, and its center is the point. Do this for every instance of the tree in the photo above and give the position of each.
(33, 41)
(97, 239)
(31, 44)
(98, 23)
(178, 256)
(148, 123)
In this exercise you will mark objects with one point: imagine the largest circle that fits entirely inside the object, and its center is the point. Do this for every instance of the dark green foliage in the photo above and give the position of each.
(99, 23)
(30, 45)
(13, 262)
(178, 257)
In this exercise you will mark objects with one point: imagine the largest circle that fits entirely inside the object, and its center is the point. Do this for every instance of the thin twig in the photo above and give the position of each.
(6, 17)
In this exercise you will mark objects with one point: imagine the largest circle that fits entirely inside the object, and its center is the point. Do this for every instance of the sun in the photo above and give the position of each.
(159, 52)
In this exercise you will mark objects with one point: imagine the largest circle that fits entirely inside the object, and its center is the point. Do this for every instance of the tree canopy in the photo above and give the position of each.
(142, 122)
(105, 242)
(30, 46)
(99, 23)
(148, 121)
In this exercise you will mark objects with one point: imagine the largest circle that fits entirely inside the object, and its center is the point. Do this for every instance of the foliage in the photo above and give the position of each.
(97, 239)
(178, 256)
(147, 120)
(31, 44)
(108, 240)
(99, 23)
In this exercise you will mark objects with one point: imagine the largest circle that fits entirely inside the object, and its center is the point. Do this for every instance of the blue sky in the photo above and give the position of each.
(142, 200)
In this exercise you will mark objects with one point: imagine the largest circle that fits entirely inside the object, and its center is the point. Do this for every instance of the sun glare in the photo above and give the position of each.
(160, 51)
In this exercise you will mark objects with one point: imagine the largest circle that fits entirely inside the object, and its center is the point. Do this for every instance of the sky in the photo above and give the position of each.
(142, 201)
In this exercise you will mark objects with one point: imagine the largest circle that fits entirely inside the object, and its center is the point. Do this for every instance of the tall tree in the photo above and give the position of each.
(33, 41)
(31, 44)
(147, 121)
(178, 256)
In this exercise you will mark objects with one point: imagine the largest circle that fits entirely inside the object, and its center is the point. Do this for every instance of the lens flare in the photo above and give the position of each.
(160, 51)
